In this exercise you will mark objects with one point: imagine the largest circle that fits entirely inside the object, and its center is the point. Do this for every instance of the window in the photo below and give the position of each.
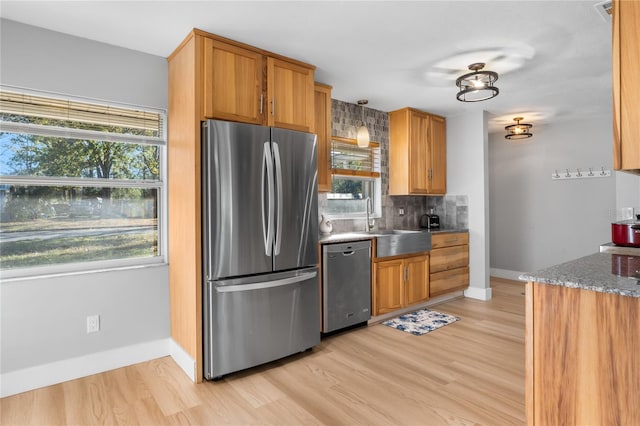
(81, 184)
(355, 177)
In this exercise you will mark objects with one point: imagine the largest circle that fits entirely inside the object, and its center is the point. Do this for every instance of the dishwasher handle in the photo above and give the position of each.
(347, 249)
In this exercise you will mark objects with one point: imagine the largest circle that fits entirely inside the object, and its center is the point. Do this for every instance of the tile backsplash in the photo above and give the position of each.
(452, 209)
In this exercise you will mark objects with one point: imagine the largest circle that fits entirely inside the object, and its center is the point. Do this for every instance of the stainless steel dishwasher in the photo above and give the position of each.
(346, 284)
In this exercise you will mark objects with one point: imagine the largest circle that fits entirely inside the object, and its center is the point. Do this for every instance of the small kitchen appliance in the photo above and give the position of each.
(626, 232)
(429, 221)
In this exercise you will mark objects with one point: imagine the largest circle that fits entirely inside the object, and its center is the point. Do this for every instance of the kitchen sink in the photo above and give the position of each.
(395, 242)
(394, 232)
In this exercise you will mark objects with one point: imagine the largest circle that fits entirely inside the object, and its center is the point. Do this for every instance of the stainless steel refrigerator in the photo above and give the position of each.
(260, 252)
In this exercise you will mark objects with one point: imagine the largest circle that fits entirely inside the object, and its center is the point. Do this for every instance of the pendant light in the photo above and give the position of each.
(477, 85)
(518, 130)
(363, 133)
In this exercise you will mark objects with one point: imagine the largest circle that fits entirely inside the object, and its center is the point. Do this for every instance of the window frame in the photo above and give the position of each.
(160, 185)
(373, 175)
(377, 199)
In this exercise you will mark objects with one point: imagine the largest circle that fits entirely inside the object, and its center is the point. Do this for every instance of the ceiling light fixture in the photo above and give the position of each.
(477, 85)
(363, 133)
(518, 130)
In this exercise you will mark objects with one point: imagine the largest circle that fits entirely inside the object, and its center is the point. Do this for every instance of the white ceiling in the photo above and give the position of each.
(553, 57)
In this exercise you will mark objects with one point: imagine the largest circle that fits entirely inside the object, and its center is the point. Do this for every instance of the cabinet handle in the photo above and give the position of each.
(261, 102)
(430, 173)
(273, 107)
(406, 274)
(452, 240)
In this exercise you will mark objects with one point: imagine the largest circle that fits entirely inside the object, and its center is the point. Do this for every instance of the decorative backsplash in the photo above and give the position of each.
(452, 209)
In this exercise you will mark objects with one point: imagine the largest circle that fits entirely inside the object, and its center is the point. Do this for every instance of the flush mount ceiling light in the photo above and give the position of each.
(363, 133)
(518, 130)
(477, 85)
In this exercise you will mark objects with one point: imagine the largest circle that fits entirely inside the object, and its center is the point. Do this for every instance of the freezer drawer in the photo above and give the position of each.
(252, 321)
(346, 284)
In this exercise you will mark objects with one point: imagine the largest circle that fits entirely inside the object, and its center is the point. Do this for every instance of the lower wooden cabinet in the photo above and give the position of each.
(448, 263)
(581, 357)
(447, 281)
(400, 282)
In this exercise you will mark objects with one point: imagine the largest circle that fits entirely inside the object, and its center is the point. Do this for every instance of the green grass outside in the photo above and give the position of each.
(68, 223)
(22, 254)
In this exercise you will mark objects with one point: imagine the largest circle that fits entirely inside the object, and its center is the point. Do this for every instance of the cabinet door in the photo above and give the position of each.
(417, 280)
(389, 286)
(233, 88)
(322, 124)
(626, 86)
(290, 91)
(438, 150)
(448, 281)
(418, 153)
(449, 239)
(449, 258)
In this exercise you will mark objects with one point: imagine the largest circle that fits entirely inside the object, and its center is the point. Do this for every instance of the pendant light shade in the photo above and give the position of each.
(363, 137)
(518, 130)
(477, 85)
(363, 133)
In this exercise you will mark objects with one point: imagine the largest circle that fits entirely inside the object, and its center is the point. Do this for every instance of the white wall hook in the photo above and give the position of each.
(579, 175)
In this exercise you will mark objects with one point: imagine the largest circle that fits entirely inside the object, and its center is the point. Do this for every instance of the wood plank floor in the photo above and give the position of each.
(468, 373)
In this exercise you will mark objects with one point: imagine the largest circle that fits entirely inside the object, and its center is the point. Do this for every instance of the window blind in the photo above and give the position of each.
(348, 159)
(147, 123)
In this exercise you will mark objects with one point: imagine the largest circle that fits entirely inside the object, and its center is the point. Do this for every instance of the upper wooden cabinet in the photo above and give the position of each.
(246, 84)
(626, 86)
(322, 125)
(233, 88)
(417, 153)
(290, 92)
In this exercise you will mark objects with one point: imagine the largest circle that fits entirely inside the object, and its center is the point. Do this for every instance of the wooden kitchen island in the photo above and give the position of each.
(583, 342)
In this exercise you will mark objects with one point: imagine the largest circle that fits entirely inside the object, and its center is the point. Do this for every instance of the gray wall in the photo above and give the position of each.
(43, 319)
(537, 222)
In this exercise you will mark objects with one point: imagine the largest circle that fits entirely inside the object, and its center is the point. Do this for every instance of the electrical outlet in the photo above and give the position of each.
(401, 211)
(93, 323)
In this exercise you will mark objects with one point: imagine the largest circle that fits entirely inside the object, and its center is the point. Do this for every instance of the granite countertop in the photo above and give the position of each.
(361, 235)
(603, 272)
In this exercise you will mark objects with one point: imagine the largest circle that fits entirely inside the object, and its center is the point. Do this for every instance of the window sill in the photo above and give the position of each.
(45, 272)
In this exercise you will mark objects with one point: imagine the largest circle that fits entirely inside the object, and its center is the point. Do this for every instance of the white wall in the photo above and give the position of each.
(537, 222)
(43, 319)
(467, 173)
(627, 191)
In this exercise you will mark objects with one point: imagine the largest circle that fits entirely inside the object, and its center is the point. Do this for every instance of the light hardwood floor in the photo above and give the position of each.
(468, 373)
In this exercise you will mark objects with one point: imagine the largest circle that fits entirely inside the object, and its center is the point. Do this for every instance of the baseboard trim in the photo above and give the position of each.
(183, 359)
(506, 274)
(27, 379)
(478, 293)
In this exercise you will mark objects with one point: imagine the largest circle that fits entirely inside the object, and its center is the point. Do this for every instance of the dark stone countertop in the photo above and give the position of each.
(604, 272)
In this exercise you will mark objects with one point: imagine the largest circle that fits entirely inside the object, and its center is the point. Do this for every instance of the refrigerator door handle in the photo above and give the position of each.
(276, 154)
(267, 228)
(267, 284)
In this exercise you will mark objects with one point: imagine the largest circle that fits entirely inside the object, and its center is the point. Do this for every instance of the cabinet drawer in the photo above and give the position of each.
(448, 258)
(449, 239)
(448, 281)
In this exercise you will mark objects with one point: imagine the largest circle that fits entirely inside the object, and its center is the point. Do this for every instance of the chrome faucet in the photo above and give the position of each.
(370, 222)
